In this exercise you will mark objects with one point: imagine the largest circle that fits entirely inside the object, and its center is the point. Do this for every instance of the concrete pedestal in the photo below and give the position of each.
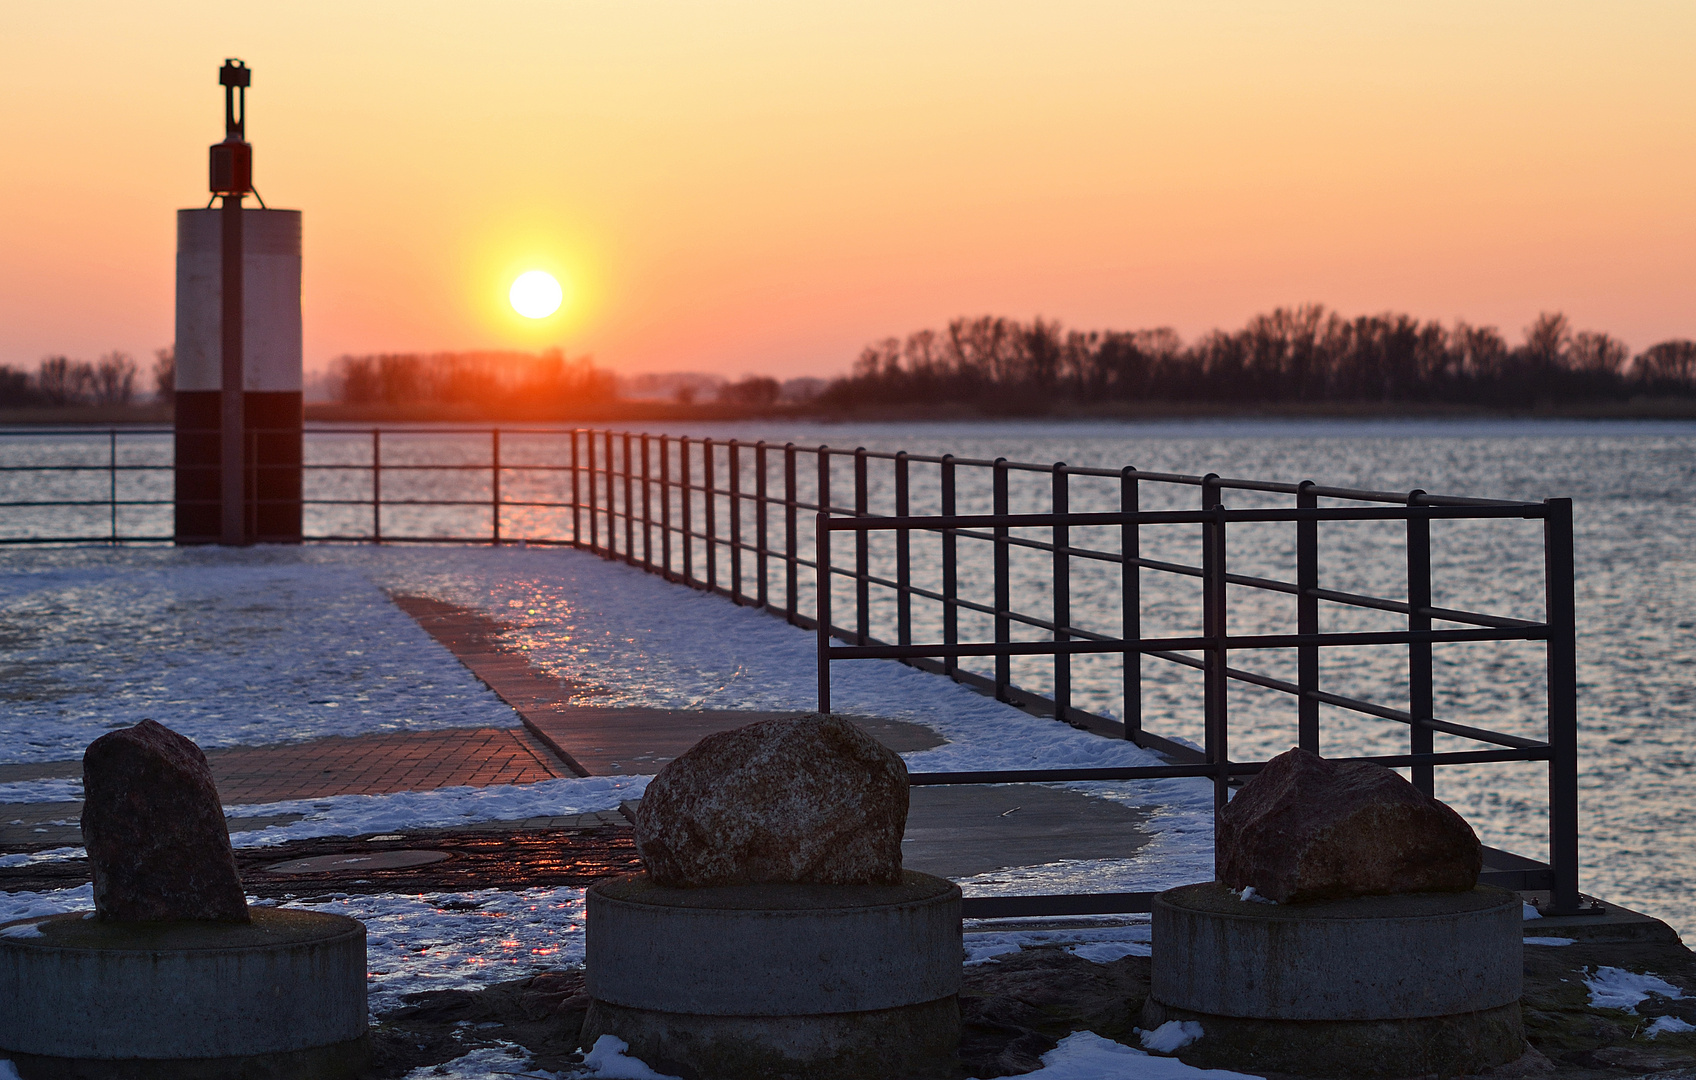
(1381, 986)
(281, 997)
(762, 981)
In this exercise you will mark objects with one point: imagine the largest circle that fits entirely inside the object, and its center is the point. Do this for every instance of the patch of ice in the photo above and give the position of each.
(1105, 952)
(1188, 863)
(607, 1058)
(1551, 941)
(1100, 944)
(460, 941)
(29, 905)
(58, 854)
(226, 646)
(1668, 1025)
(1529, 911)
(1617, 988)
(354, 815)
(1171, 1036)
(22, 930)
(1085, 1055)
(504, 1059)
(59, 789)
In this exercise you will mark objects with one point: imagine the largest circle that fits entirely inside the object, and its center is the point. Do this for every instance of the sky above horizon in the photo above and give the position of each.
(752, 187)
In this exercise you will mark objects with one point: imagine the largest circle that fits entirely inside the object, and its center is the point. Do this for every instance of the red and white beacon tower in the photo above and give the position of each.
(238, 392)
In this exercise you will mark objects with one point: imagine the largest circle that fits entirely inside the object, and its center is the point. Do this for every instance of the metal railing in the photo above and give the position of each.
(728, 517)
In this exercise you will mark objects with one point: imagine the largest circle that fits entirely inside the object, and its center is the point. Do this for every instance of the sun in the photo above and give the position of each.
(536, 294)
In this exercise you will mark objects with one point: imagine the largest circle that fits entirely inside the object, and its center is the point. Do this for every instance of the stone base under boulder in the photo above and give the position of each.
(913, 1042)
(759, 982)
(1457, 1045)
(1376, 986)
(282, 996)
(341, 1061)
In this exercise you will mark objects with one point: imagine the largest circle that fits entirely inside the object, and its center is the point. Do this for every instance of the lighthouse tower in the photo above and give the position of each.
(238, 348)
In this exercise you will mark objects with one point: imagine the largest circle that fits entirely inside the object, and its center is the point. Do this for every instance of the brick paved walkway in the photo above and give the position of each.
(361, 764)
(379, 764)
(597, 740)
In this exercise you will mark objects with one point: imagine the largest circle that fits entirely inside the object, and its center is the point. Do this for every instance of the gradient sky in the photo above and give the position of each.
(765, 187)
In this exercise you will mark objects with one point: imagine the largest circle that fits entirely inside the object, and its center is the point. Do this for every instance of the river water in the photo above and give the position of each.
(1635, 526)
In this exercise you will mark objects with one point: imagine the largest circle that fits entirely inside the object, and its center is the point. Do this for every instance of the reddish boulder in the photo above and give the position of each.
(155, 830)
(1306, 828)
(812, 799)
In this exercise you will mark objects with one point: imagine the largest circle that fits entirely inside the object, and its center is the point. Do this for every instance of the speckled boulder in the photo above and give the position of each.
(813, 799)
(1305, 828)
(155, 830)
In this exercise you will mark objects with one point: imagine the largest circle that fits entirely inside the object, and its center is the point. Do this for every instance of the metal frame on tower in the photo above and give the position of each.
(231, 178)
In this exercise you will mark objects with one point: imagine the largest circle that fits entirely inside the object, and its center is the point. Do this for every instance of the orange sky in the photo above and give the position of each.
(764, 187)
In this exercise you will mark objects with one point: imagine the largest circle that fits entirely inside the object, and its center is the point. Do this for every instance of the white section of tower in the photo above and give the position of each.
(270, 296)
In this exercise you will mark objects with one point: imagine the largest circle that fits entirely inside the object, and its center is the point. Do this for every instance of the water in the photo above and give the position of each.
(1636, 586)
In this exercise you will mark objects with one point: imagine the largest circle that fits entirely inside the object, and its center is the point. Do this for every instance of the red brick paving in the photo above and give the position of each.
(597, 740)
(381, 764)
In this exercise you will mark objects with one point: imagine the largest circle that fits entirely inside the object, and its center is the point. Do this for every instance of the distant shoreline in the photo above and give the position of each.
(1679, 408)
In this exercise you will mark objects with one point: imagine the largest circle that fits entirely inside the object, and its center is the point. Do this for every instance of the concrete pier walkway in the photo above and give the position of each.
(952, 831)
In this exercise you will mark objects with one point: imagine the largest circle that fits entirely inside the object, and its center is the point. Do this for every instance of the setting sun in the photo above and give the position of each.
(536, 294)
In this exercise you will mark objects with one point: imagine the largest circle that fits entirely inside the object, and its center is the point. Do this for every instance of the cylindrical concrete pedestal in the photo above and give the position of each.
(282, 996)
(760, 981)
(1379, 986)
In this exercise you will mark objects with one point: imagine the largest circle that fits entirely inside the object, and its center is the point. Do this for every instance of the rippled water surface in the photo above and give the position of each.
(1635, 522)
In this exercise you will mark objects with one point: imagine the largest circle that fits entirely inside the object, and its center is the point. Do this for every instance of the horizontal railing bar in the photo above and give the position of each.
(874, 523)
(1147, 645)
(1209, 769)
(89, 502)
(107, 468)
(105, 539)
(1355, 704)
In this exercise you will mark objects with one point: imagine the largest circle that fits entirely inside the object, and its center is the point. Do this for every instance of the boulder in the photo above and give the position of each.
(812, 799)
(1305, 828)
(155, 830)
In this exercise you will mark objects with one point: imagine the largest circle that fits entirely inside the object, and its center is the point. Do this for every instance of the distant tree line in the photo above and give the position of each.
(59, 380)
(490, 381)
(1305, 354)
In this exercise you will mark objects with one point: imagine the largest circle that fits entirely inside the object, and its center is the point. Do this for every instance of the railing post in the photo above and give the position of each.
(1130, 601)
(594, 499)
(791, 556)
(1062, 539)
(687, 497)
(1003, 597)
(862, 555)
(112, 477)
(495, 484)
(709, 475)
(647, 510)
(612, 496)
(760, 590)
(1307, 620)
(1562, 618)
(576, 497)
(376, 486)
(903, 560)
(950, 570)
(824, 577)
(821, 561)
(1213, 627)
(734, 501)
(629, 505)
(665, 505)
(1421, 739)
